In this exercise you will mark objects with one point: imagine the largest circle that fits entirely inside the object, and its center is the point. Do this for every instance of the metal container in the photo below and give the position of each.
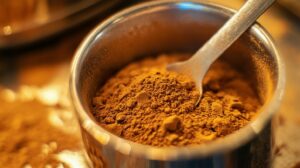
(174, 26)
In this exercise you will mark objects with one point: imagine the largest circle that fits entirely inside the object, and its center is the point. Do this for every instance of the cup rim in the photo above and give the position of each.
(221, 145)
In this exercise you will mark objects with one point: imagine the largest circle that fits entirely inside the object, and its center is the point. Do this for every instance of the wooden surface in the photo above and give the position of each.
(37, 127)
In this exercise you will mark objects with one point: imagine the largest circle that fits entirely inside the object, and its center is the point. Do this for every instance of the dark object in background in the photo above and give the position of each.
(291, 5)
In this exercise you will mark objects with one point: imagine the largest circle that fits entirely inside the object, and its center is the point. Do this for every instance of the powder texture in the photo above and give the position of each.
(147, 104)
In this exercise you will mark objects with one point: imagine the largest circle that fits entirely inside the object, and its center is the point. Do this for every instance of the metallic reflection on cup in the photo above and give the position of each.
(173, 26)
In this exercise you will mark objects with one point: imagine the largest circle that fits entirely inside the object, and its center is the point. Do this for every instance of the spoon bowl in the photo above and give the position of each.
(197, 66)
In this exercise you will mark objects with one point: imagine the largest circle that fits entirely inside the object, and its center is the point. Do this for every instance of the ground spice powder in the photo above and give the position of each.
(147, 104)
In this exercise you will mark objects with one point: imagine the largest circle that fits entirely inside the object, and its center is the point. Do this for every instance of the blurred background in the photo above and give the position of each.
(37, 42)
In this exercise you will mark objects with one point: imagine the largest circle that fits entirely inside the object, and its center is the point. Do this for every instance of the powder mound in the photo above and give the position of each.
(171, 123)
(147, 104)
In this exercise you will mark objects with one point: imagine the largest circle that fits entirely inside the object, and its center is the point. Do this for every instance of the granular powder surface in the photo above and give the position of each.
(147, 104)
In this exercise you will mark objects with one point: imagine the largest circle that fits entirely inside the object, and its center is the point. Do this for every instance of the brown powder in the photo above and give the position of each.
(28, 139)
(147, 104)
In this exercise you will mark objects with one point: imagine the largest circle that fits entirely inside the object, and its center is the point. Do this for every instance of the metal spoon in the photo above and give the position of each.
(197, 66)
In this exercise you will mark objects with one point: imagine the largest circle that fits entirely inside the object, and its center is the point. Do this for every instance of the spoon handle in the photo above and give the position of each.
(229, 33)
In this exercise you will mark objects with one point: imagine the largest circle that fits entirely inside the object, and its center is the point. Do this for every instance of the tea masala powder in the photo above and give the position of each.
(147, 104)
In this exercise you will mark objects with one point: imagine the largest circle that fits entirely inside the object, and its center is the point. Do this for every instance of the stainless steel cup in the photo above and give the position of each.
(174, 26)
